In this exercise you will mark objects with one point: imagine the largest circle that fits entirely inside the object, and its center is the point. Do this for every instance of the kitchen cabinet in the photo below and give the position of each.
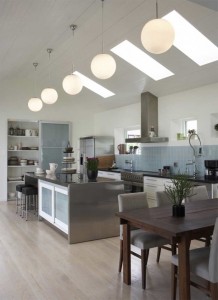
(153, 185)
(111, 175)
(22, 150)
(53, 204)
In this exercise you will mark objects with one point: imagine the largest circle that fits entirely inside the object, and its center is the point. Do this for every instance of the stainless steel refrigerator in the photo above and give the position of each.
(93, 146)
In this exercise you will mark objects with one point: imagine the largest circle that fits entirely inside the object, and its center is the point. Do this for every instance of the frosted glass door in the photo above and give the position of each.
(46, 201)
(61, 209)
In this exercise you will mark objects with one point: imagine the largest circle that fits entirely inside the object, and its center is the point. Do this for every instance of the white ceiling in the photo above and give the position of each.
(29, 27)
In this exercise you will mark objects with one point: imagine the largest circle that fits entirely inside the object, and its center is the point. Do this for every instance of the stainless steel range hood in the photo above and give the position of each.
(149, 117)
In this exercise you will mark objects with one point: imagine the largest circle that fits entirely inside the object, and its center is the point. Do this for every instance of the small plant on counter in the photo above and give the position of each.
(92, 163)
(180, 189)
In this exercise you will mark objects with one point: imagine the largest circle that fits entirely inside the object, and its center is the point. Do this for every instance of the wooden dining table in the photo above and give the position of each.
(199, 221)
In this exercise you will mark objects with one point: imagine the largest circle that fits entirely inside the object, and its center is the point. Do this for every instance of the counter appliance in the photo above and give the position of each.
(211, 168)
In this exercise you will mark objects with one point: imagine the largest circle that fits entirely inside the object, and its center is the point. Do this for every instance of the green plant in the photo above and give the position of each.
(180, 189)
(92, 163)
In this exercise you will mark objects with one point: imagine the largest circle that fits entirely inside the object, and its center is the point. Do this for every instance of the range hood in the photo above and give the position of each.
(149, 117)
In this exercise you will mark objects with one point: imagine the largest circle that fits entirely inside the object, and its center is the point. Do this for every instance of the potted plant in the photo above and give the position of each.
(92, 168)
(180, 189)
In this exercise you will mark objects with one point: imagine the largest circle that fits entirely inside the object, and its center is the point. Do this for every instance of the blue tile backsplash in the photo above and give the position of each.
(154, 158)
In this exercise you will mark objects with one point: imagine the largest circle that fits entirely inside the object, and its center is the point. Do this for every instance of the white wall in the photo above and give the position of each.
(198, 103)
(13, 101)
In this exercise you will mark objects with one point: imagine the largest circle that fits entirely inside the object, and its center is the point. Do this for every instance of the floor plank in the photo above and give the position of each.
(36, 262)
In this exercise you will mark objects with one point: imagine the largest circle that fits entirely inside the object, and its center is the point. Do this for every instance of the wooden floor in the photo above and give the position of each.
(36, 262)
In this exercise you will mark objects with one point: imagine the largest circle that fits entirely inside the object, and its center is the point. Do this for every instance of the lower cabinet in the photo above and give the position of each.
(153, 185)
(53, 204)
(112, 175)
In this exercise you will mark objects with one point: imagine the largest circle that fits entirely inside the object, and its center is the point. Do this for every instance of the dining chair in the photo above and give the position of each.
(204, 265)
(163, 200)
(139, 238)
(200, 193)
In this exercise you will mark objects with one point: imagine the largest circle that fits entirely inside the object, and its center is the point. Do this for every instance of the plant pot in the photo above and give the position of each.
(92, 175)
(178, 210)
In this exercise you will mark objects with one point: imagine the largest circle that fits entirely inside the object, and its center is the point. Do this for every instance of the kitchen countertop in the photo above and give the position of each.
(203, 179)
(60, 179)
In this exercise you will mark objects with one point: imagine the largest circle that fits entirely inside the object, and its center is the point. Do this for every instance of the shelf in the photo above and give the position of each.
(27, 166)
(23, 136)
(22, 150)
(15, 181)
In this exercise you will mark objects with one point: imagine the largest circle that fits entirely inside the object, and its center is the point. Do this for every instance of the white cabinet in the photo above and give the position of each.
(111, 175)
(53, 204)
(153, 185)
(23, 152)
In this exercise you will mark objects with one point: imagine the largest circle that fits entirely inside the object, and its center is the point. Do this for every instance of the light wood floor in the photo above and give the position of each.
(36, 262)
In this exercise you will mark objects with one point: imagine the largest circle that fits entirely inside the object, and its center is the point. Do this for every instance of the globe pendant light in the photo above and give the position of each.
(72, 84)
(103, 65)
(49, 95)
(35, 104)
(157, 35)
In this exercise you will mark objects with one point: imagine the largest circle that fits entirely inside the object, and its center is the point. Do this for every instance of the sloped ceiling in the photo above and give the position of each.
(29, 27)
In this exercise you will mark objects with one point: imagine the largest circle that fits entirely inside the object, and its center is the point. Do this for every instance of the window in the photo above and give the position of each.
(190, 125)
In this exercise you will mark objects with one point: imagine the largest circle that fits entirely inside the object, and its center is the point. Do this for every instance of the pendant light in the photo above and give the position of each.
(103, 65)
(157, 35)
(49, 95)
(35, 104)
(72, 84)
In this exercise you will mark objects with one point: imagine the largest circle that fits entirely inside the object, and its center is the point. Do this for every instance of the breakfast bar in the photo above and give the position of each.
(80, 209)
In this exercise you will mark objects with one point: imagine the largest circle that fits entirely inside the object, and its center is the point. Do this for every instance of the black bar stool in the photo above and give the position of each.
(19, 195)
(29, 200)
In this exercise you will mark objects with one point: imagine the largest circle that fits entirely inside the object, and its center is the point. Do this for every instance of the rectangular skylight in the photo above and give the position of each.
(141, 60)
(191, 41)
(94, 86)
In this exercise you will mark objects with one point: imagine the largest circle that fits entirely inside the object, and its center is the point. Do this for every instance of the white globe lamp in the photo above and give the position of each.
(35, 104)
(49, 96)
(103, 66)
(72, 84)
(157, 36)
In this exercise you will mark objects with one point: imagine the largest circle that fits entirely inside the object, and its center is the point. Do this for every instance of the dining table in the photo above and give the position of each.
(199, 221)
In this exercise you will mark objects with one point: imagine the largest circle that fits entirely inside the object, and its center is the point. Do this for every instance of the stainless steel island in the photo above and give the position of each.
(81, 209)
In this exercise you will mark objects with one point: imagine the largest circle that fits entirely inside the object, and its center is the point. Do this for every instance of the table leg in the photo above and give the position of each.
(126, 255)
(184, 268)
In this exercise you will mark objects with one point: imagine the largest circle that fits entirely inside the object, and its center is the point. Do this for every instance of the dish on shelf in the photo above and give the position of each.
(39, 173)
(23, 164)
(11, 194)
(34, 148)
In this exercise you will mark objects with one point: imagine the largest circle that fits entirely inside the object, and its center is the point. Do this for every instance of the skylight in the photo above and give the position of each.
(141, 60)
(94, 87)
(191, 41)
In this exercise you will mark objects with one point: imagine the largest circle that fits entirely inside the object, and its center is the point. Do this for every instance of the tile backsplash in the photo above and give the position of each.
(154, 158)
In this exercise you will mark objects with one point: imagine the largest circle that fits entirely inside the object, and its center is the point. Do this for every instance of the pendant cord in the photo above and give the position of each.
(156, 10)
(35, 66)
(102, 25)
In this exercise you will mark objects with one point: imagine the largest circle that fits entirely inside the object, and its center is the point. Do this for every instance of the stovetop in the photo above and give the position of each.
(132, 177)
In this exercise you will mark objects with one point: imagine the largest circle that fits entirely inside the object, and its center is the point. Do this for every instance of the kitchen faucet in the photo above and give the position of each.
(193, 161)
(131, 164)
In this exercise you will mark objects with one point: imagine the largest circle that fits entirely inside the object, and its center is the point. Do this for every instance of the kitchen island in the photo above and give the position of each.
(81, 209)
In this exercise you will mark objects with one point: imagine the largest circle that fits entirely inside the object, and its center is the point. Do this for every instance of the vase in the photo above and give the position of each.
(92, 175)
(178, 210)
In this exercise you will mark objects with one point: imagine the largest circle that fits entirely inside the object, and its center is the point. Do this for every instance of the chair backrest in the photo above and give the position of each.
(132, 201)
(162, 199)
(213, 259)
(198, 193)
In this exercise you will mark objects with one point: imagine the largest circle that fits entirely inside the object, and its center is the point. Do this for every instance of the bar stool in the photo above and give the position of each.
(19, 195)
(29, 200)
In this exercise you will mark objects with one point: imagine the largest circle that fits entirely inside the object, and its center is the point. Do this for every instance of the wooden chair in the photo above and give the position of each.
(139, 238)
(203, 264)
(200, 193)
(163, 200)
